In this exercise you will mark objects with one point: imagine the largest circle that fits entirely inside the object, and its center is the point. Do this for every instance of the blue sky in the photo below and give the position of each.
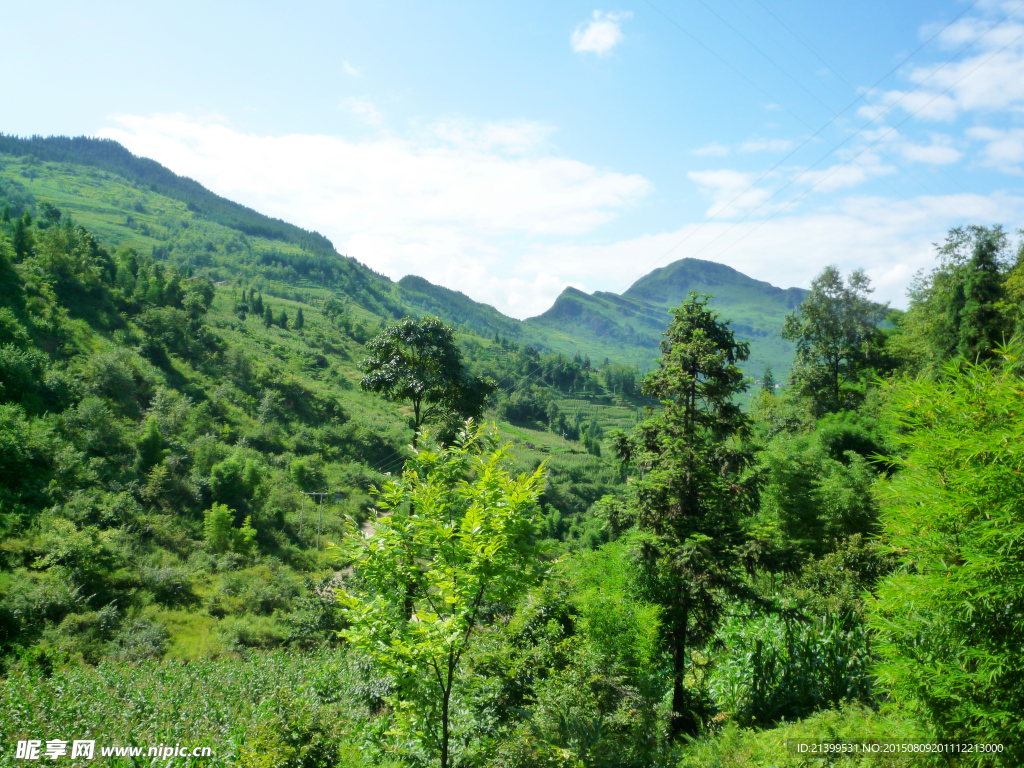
(508, 150)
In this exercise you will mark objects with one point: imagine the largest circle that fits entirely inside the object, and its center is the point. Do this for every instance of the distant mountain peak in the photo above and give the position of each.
(671, 284)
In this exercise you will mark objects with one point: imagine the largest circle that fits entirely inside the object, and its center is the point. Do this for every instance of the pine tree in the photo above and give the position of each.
(268, 316)
(768, 380)
(980, 321)
(151, 446)
(21, 238)
(686, 506)
(300, 320)
(283, 320)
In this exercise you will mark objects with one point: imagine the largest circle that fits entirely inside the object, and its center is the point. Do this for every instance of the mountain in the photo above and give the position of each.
(630, 325)
(108, 155)
(170, 382)
(136, 202)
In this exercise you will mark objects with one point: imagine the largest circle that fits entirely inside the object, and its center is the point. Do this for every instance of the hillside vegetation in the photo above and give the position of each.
(607, 570)
(138, 398)
(134, 201)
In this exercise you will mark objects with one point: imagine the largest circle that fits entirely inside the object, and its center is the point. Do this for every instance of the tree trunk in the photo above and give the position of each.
(416, 422)
(444, 710)
(682, 717)
(409, 604)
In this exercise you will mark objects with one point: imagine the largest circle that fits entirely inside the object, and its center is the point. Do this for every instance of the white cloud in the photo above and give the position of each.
(348, 69)
(857, 170)
(599, 34)
(364, 110)
(938, 151)
(454, 210)
(989, 78)
(519, 136)
(728, 190)
(1004, 149)
(890, 239)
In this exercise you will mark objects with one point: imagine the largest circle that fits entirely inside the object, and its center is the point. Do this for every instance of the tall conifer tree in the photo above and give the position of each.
(685, 507)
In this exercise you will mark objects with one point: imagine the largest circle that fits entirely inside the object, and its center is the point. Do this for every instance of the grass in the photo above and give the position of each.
(735, 747)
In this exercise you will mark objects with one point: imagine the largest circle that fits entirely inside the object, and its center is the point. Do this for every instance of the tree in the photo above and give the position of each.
(685, 507)
(217, 527)
(949, 623)
(981, 327)
(151, 446)
(419, 362)
(221, 536)
(283, 320)
(49, 214)
(962, 307)
(768, 380)
(300, 320)
(834, 330)
(21, 237)
(236, 481)
(257, 303)
(268, 316)
(468, 546)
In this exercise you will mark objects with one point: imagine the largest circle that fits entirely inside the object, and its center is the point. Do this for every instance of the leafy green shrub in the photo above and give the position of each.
(290, 733)
(261, 589)
(241, 632)
(170, 586)
(838, 433)
(121, 377)
(774, 669)
(836, 582)
(139, 639)
(736, 747)
(221, 536)
(815, 499)
(950, 621)
(317, 617)
(586, 714)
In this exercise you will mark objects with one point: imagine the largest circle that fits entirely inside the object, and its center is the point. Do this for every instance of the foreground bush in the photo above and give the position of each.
(950, 623)
(736, 747)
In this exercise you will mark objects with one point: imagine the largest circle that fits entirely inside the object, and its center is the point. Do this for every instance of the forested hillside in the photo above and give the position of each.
(597, 568)
(135, 201)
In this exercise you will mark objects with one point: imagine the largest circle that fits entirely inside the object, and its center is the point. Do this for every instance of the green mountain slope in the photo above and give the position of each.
(629, 326)
(134, 397)
(135, 202)
(457, 308)
(108, 155)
